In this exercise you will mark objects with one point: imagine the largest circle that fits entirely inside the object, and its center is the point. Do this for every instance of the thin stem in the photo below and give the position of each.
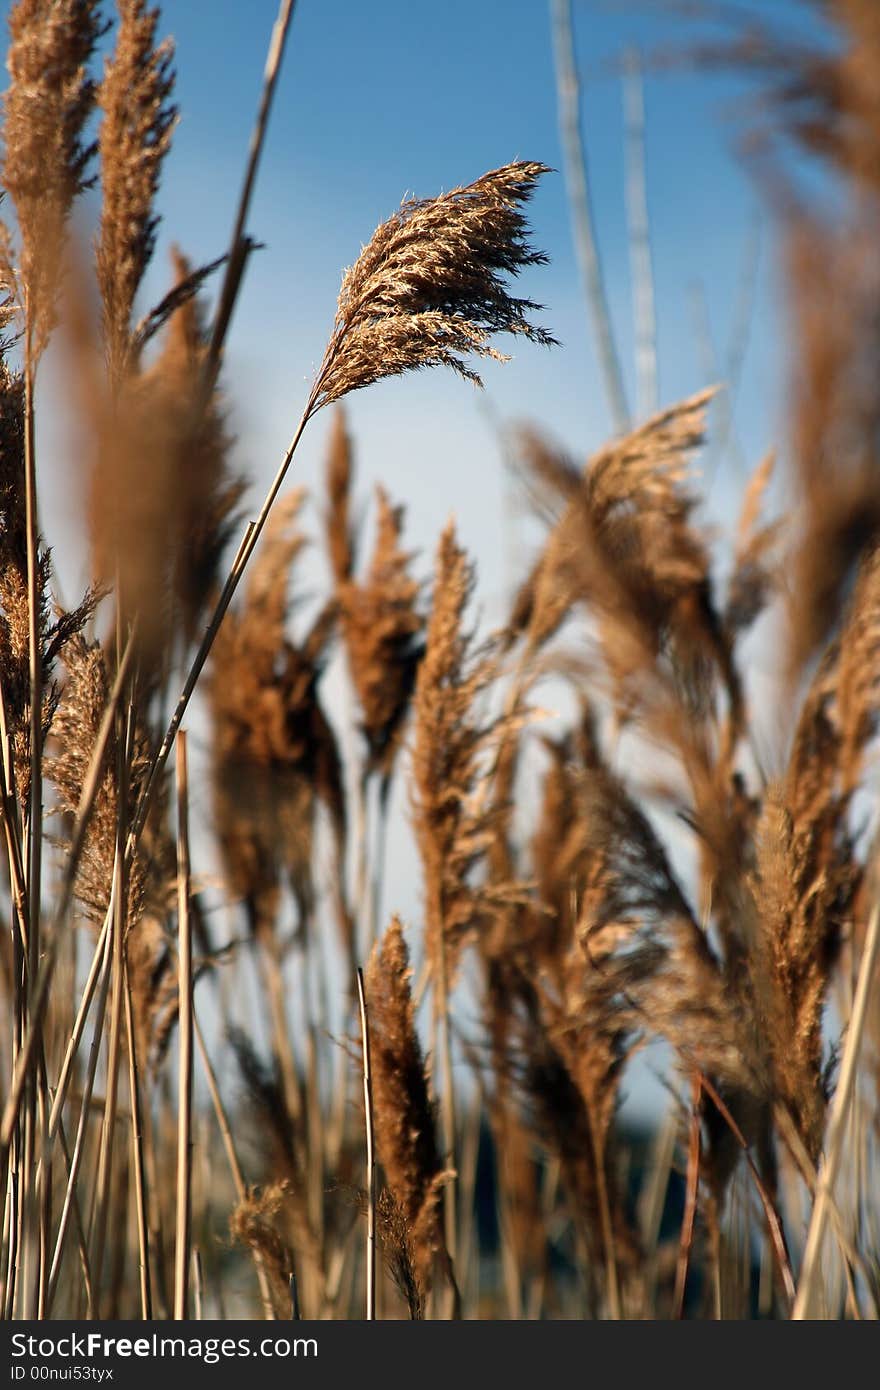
(611, 1275)
(444, 1041)
(690, 1207)
(273, 983)
(640, 238)
(185, 1071)
(239, 245)
(362, 889)
(137, 1153)
(104, 1180)
(232, 1158)
(85, 1105)
(40, 996)
(35, 660)
(35, 813)
(577, 179)
(774, 1225)
(198, 1283)
(371, 1155)
(78, 1030)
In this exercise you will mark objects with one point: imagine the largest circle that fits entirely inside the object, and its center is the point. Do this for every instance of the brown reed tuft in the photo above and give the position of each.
(150, 881)
(208, 490)
(557, 1112)
(637, 927)
(278, 1141)
(396, 1241)
(756, 562)
(453, 826)
(163, 498)
(428, 289)
(807, 874)
(382, 629)
(134, 138)
(275, 755)
(45, 161)
(257, 1222)
(623, 542)
(835, 294)
(820, 98)
(404, 1117)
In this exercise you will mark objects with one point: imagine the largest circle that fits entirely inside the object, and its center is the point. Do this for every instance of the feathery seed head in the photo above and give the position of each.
(45, 163)
(134, 138)
(428, 289)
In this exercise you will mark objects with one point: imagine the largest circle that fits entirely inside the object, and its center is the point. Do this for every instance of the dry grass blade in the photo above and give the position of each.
(586, 245)
(371, 1156)
(185, 1073)
(240, 246)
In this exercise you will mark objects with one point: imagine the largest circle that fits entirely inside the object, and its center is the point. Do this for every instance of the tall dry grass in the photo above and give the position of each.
(646, 873)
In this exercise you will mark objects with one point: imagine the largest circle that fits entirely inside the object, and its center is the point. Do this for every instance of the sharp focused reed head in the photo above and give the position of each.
(428, 290)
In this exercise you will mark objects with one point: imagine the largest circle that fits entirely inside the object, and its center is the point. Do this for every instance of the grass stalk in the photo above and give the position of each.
(586, 245)
(232, 1159)
(185, 1069)
(371, 1152)
(137, 1155)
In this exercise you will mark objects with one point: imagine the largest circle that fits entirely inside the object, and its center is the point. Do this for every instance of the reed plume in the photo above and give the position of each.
(756, 574)
(150, 881)
(452, 822)
(208, 489)
(257, 1222)
(134, 138)
(807, 873)
(637, 927)
(382, 629)
(163, 495)
(276, 755)
(396, 1241)
(403, 1114)
(428, 289)
(623, 542)
(45, 159)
